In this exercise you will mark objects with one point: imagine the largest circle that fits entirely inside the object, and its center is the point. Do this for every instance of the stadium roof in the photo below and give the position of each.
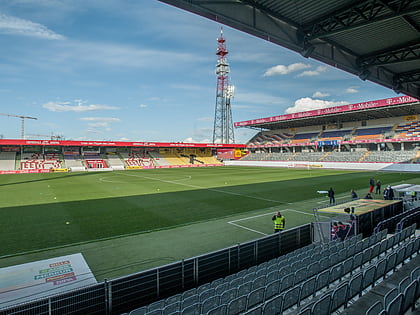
(390, 107)
(378, 40)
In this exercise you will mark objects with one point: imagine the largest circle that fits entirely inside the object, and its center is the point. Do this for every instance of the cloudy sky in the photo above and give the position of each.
(145, 71)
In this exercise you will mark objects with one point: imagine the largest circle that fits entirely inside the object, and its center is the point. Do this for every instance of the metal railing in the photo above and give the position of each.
(123, 294)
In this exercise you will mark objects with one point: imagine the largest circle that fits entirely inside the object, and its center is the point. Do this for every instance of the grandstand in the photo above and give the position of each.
(385, 132)
(23, 156)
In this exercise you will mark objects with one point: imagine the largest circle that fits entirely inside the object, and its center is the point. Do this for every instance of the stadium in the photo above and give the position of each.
(111, 227)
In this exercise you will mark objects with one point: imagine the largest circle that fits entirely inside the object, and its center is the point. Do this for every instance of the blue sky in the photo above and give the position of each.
(125, 70)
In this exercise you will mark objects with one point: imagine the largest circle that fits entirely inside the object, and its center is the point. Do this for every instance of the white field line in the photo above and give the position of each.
(244, 227)
(325, 201)
(261, 215)
(204, 188)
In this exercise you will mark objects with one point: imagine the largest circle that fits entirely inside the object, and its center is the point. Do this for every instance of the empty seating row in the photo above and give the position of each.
(277, 276)
(399, 300)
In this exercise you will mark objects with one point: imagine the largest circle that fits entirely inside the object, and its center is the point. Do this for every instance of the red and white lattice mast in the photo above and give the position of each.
(223, 125)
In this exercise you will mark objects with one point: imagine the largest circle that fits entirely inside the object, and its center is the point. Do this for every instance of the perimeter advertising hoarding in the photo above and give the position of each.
(8, 142)
(30, 281)
(330, 110)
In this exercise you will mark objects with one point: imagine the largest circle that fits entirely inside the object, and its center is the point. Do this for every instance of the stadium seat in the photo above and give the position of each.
(323, 305)
(410, 295)
(375, 309)
(273, 306)
(395, 305)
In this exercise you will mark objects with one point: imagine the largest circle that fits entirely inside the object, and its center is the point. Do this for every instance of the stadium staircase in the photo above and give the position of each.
(317, 279)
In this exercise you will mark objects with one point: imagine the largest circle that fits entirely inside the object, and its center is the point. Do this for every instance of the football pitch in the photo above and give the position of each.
(127, 221)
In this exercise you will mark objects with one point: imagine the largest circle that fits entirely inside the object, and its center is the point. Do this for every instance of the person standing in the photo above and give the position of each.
(371, 185)
(353, 195)
(331, 196)
(279, 222)
(378, 187)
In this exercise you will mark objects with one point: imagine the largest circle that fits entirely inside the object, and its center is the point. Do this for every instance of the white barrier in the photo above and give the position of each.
(394, 167)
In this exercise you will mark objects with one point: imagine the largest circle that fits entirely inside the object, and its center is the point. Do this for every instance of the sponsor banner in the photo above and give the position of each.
(187, 165)
(35, 280)
(59, 170)
(330, 110)
(24, 172)
(10, 149)
(133, 167)
(114, 144)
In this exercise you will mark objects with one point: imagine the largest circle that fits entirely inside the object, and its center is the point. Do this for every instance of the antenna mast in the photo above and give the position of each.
(223, 125)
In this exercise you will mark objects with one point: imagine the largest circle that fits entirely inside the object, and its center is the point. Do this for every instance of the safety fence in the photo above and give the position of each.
(123, 294)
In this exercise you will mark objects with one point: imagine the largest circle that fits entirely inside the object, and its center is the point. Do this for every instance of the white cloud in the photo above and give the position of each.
(307, 103)
(319, 94)
(66, 107)
(191, 140)
(352, 90)
(282, 69)
(17, 26)
(311, 73)
(142, 106)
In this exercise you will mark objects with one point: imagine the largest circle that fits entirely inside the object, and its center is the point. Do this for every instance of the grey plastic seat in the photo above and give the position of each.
(206, 294)
(410, 296)
(339, 296)
(255, 297)
(189, 301)
(237, 305)
(189, 293)
(380, 269)
(368, 278)
(245, 288)
(323, 305)
(307, 288)
(210, 303)
(322, 280)
(287, 281)
(347, 266)
(258, 282)
(415, 273)
(404, 283)
(391, 261)
(156, 305)
(272, 288)
(191, 309)
(355, 284)
(375, 309)
(300, 275)
(273, 305)
(228, 295)
(395, 306)
(171, 308)
(218, 310)
(291, 298)
(389, 296)
(336, 272)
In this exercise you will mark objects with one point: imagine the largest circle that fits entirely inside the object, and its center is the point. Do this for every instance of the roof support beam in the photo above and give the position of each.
(358, 15)
(408, 52)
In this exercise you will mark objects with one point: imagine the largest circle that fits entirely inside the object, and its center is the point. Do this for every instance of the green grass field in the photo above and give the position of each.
(127, 221)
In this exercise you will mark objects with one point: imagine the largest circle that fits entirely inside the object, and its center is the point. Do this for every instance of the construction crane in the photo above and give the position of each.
(51, 136)
(22, 122)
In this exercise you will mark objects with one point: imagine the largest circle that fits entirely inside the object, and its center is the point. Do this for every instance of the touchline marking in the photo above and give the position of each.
(244, 227)
(325, 201)
(211, 189)
(264, 214)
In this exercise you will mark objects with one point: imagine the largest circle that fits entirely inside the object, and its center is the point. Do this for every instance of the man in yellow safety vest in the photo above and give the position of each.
(279, 222)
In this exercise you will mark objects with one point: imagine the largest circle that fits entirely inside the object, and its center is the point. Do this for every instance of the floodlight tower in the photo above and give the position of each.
(223, 125)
